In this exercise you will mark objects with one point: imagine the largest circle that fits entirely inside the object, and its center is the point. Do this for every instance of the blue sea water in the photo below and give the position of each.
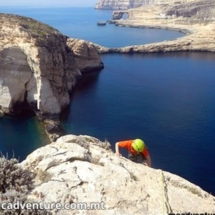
(168, 100)
(82, 23)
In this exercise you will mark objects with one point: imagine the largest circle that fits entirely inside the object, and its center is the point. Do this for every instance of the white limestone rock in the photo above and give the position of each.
(37, 65)
(85, 55)
(81, 168)
(14, 75)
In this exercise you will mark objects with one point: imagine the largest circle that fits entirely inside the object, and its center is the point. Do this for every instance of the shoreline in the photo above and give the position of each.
(199, 34)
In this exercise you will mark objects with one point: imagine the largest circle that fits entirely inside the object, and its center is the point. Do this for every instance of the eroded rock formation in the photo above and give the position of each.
(35, 65)
(38, 68)
(85, 55)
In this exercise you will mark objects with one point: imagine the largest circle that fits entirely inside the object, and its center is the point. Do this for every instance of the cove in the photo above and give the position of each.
(82, 23)
(165, 99)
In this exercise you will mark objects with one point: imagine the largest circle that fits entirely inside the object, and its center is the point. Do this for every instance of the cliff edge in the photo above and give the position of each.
(83, 169)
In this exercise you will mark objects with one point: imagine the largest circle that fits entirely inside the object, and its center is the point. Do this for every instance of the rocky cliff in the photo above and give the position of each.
(127, 4)
(39, 66)
(83, 169)
(118, 5)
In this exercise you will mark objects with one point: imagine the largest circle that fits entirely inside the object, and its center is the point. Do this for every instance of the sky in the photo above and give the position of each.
(40, 3)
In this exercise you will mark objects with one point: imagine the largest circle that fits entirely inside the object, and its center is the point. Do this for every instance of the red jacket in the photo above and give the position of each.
(127, 144)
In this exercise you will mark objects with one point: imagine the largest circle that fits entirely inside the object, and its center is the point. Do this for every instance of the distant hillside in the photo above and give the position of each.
(198, 9)
(126, 4)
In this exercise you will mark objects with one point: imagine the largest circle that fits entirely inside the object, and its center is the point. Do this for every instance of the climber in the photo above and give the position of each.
(136, 149)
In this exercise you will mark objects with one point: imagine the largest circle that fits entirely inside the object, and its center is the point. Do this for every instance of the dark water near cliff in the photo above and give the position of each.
(165, 99)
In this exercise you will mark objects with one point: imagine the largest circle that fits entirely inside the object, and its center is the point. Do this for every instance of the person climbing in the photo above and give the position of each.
(136, 149)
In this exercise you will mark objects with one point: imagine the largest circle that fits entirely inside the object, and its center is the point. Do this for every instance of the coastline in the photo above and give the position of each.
(71, 157)
(199, 33)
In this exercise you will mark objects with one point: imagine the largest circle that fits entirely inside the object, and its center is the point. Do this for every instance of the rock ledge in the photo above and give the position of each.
(84, 169)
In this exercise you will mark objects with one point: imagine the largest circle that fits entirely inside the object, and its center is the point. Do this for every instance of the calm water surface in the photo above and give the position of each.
(166, 99)
(82, 23)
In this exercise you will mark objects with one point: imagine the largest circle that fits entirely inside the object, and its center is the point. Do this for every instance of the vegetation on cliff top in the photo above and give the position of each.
(15, 184)
(35, 28)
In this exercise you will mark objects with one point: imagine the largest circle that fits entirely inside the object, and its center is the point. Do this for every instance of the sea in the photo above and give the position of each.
(166, 99)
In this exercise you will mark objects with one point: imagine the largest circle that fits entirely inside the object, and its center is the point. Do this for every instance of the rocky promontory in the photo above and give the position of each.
(83, 169)
(39, 66)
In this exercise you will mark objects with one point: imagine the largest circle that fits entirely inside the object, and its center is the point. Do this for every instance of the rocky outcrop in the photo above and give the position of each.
(38, 68)
(118, 15)
(83, 169)
(85, 55)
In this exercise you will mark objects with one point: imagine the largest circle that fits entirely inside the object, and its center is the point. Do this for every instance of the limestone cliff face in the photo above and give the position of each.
(118, 5)
(125, 4)
(33, 65)
(36, 66)
(84, 169)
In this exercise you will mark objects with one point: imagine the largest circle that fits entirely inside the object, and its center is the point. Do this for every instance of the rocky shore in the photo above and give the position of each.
(195, 18)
